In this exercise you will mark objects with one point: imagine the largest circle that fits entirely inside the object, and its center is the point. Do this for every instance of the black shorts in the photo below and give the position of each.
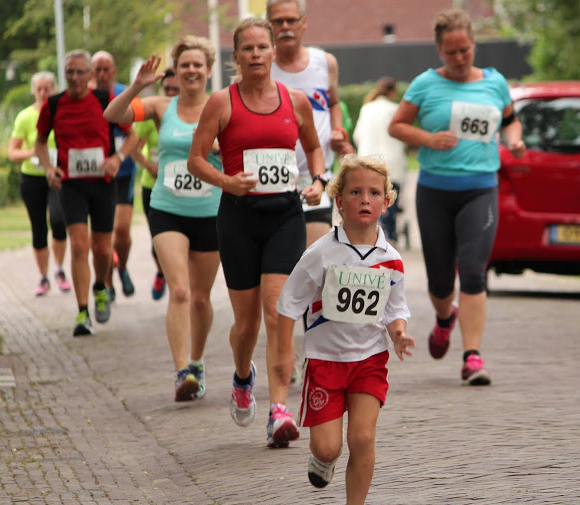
(79, 199)
(319, 216)
(254, 242)
(125, 190)
(146, 199)
(201, 231)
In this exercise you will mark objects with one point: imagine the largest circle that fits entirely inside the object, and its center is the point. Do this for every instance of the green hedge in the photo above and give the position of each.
(9, 182)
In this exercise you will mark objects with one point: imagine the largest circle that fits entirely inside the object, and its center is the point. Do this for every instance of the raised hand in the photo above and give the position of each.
(147, 74)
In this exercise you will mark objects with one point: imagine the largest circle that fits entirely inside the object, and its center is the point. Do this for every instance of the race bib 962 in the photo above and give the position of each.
(355, 294)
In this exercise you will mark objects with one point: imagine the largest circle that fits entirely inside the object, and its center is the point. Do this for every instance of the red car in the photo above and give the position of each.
(539, 194)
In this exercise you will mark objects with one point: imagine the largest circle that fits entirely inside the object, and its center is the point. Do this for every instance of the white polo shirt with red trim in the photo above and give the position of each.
(355, 300)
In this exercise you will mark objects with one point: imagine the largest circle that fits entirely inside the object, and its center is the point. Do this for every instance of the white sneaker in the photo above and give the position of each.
(319, 473)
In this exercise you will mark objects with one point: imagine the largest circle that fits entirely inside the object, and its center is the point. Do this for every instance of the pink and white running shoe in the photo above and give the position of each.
(281, 427)
(473, 373)
(43, 287)
(61, 281)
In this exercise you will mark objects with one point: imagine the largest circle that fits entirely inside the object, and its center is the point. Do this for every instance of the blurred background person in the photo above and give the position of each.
(314, 72)
(371, 136)
(34, 189)
(103, 76)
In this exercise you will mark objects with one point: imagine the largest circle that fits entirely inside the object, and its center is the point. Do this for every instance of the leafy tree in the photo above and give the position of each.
(125, 29)
(10, 12)
(553, 27)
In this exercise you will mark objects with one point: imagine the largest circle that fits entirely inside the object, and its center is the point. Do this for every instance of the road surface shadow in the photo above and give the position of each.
(519, 293)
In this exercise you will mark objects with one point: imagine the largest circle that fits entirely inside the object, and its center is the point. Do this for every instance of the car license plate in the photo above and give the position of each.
(565, 234)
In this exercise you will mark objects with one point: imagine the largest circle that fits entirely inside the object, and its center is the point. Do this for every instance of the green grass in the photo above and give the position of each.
(15, 225)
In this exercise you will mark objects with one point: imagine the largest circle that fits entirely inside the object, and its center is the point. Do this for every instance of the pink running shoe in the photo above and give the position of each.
(42, 288)
(473, 373)
(63, 284)
(439, 338)
(281, 427)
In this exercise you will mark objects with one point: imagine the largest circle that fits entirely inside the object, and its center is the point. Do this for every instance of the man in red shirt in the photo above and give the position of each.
(86, 163)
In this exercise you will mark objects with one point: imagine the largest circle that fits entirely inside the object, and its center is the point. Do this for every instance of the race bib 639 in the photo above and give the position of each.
(275, 169)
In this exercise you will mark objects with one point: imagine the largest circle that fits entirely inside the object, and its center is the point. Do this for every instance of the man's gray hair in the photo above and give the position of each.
(300, 3)
(78, 53)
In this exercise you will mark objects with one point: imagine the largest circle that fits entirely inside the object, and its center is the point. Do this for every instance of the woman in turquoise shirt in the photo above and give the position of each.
(460, 109)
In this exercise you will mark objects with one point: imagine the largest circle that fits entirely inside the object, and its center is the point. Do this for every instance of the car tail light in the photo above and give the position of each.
(504, 182)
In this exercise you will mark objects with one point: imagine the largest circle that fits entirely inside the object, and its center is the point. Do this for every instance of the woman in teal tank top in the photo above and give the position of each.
(182, 217)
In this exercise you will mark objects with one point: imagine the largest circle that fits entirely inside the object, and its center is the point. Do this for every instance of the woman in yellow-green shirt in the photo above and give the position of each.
(36, 194)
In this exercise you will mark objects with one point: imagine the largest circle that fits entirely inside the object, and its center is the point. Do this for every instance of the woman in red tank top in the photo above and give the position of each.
(261, 227)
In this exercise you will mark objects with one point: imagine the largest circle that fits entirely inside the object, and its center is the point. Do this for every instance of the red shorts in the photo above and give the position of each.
(326, 384)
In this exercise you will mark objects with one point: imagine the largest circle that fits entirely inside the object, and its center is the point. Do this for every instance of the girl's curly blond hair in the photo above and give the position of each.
(351, 162)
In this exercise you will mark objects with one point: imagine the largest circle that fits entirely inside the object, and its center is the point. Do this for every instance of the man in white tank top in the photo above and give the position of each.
(315, 72)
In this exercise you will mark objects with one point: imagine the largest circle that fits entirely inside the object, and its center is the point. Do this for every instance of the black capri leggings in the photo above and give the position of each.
(37, 195)
(457, 232)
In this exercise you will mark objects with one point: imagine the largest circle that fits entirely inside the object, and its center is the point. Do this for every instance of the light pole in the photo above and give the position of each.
(214, 36)
(59, 28)
(243, 10)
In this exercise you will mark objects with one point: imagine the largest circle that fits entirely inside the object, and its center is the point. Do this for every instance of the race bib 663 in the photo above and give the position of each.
(472, 121)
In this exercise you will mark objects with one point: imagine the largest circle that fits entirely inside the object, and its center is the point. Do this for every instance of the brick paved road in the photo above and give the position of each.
(92, 420)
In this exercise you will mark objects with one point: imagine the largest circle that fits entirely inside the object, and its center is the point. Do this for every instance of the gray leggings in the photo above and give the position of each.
(457, 233)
